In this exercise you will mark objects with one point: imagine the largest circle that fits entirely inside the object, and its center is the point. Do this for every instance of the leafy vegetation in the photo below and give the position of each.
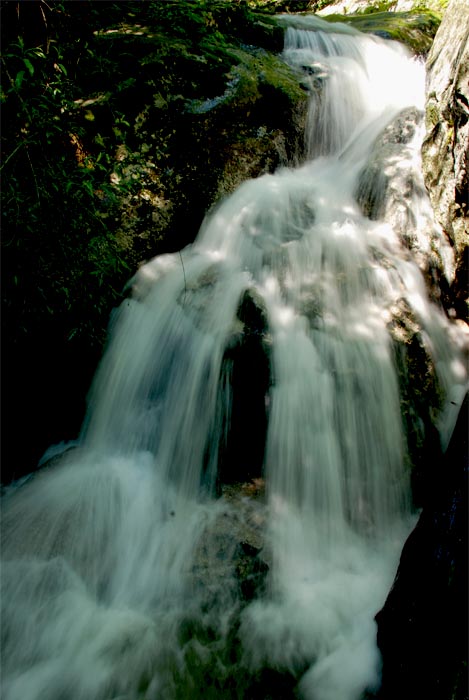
(53, 233)
(73, 92)
(106, 162)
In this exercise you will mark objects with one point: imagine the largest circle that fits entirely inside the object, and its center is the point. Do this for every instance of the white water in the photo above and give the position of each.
(100, 552)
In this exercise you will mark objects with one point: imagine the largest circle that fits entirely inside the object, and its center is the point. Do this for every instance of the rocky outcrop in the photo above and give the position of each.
(350, 6)
(197, 126)
(412, 23)
(423, 626)
(446, 147)
(389, 189)
(422, 629)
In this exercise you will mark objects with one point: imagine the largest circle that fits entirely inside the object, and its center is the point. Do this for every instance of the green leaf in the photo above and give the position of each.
(38, 52)
(29, 65)
(62, 68)
(19, 79)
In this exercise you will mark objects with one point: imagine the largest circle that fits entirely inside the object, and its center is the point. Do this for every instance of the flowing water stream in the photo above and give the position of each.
(120, 567)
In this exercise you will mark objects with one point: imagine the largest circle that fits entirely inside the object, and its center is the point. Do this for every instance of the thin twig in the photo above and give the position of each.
(12, 83)
(45, 24)
(34, 176)
(22, 143)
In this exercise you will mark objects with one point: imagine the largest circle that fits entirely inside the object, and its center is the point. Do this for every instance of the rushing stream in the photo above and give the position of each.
(121, 562)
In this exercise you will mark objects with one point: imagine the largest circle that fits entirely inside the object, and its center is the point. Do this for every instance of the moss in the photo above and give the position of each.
(415, 28)
(260, 72)
(432, 115)
(115, 167)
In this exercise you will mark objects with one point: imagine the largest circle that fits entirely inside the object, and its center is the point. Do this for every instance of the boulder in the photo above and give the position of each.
(414, 26)
(388, 189)
(422, 628)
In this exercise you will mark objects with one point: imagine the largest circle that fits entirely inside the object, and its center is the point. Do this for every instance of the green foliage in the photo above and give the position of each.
(79, 82)
(105, 164)
(53, 191)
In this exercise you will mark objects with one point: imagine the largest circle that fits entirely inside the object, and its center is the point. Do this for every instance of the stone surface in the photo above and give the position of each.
(388, 189)
(414, 28)
(423, 626)
(422, 629)
(348, 6)
(231, 559)
(247, 359)
(446, 147)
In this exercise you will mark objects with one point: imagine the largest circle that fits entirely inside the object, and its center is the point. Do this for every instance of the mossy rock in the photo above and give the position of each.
(128, 171)
(416, 28)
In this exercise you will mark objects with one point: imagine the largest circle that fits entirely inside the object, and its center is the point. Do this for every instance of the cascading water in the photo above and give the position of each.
(119, 570)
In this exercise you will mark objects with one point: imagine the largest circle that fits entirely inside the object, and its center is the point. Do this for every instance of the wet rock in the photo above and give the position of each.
(352, 6)
(231, 562)
(247, 361)
(413, 25)
(381, 189)
(422, 628)
(220, 135)
(389, 190)
(446, 147)
(420, 397)
(196, 292)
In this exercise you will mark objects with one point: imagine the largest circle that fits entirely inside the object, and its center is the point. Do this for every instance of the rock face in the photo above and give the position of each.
(414, 27)
(423, 627)
(445, 150)
(388, 189)
(247, 363)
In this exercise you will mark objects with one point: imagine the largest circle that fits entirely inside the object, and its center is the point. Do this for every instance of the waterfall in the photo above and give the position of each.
(120, 571)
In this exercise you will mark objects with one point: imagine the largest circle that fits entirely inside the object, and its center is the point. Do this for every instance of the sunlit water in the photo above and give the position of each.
(102, 565)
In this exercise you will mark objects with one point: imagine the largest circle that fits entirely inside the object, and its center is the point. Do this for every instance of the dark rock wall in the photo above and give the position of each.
(423, 627)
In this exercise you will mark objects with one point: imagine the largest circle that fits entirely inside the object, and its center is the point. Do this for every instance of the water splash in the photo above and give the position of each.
(119, 563)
